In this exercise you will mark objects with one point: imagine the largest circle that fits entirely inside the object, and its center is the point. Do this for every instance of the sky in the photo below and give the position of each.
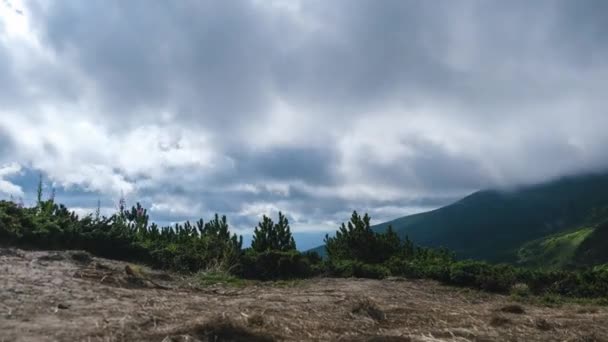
(315, 108)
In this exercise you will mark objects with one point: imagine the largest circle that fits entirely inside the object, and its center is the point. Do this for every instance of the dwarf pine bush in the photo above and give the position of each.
(355, 251)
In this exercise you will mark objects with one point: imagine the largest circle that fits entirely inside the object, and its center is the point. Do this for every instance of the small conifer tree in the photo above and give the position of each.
(270, 236)
(39, 191)
(358, 241)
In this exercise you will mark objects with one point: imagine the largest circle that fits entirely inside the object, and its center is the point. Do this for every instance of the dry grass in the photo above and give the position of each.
(367, 307)
(220, 329)
(99, 303)
(499, 321)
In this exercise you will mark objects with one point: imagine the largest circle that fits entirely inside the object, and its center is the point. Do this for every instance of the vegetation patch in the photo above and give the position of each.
(356, 250)
(555, 251)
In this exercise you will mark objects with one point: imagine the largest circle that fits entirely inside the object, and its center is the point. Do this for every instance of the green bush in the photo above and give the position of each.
(419, 268)
(353, 268)
(584, 284)
(274, 265)
(124, 235)
(477, 274)
(270, 236)
(540, 282)
(355, 251)
(357, 241)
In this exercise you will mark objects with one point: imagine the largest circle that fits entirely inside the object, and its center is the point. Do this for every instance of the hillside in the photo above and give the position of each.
(555, 251)
(581, 246)
(494, 224)
(72, 296)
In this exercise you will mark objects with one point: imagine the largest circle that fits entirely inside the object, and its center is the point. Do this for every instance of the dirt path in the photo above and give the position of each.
(68, 296)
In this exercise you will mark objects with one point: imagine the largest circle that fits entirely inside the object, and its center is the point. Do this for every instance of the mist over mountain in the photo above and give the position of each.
(516, 225)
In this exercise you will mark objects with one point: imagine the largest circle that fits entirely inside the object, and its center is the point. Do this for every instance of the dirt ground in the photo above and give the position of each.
(71, 296)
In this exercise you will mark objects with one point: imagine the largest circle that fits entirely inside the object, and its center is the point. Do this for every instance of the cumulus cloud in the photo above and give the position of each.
(313, 107)
(7, 187)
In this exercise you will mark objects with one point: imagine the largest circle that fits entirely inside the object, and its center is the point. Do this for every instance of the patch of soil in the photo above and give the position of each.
(62, 299)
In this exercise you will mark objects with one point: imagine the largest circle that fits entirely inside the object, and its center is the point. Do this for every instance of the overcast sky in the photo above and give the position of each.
(312, 107)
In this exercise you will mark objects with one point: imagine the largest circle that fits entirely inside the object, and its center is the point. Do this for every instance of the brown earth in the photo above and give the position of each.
(71, 296)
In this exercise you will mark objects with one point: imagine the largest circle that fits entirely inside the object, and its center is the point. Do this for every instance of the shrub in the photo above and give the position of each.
(353, 268)
(540, 282)
(274, 265)
(270, 236)
(357, 241)
(355, 251)
(419, 268)
(124, 235)
(477, 274)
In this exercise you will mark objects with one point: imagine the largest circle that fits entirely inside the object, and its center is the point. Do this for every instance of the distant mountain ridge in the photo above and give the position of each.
(494, 225)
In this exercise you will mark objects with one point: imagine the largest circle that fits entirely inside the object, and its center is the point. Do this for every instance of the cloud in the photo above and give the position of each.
(315, 108)
(7, 187)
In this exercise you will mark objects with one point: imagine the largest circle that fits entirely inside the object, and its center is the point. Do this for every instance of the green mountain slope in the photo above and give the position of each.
(494, 224)
(555, 251)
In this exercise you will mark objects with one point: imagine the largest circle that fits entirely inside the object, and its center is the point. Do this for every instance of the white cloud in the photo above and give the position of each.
(6, 187)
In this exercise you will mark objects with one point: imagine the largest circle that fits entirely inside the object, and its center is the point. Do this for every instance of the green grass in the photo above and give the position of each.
(556, 301)
(554, 251)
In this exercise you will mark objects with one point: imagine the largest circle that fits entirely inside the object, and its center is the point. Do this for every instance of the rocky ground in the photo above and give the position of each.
(71, 296)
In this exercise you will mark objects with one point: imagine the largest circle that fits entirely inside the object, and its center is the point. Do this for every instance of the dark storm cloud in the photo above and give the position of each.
(10, 94)
(431, 169)
(288, 164)
(580, 32)
(206, 60)
(218, 62)
(6, 144)
(372, 52)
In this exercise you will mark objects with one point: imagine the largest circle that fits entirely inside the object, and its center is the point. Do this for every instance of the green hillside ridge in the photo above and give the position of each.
(493, 225)
(555, 252)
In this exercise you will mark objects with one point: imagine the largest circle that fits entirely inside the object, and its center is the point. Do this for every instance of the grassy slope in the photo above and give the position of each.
(554, 251)
(493, 225)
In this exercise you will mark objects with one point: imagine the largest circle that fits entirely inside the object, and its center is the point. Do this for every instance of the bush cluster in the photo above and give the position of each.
(359, 251)
(125, 235)
(356, 250)
(275, 264)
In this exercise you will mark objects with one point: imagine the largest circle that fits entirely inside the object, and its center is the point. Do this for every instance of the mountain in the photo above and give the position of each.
(494, 225)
